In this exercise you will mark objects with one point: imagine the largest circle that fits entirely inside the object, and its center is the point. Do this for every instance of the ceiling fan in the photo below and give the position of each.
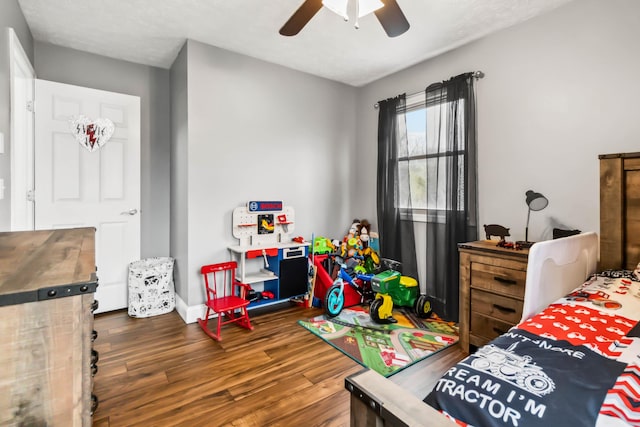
(388, 13)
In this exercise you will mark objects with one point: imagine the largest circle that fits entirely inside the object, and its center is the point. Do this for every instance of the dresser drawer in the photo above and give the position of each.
(492, 283)
(488, 327)
(503, 280)
(503, 308)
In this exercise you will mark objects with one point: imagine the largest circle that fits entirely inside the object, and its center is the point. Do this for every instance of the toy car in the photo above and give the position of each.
(391, 289)
(598, 298)
(322, 245)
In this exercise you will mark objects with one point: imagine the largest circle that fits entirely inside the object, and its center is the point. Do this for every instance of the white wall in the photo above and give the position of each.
(259, 131)
(559, 90)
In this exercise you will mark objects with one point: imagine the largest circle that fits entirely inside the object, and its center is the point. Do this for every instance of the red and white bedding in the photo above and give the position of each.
(577, 363)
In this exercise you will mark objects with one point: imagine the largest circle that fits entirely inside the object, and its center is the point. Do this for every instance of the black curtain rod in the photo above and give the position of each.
(476, 74)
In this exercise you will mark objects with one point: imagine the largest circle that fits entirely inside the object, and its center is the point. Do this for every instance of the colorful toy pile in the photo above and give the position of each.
(359, 243)
(355, 261)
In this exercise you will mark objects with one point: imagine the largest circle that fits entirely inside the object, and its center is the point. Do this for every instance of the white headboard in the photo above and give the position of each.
(556, 267)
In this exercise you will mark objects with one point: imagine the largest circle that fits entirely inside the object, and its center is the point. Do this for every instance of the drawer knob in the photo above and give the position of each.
(505, 280)
(503, 308)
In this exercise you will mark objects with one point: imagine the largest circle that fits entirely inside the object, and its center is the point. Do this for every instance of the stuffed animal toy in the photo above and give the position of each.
(363, 233)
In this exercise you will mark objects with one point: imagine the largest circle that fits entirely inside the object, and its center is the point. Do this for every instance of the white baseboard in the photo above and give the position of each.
(190, 314)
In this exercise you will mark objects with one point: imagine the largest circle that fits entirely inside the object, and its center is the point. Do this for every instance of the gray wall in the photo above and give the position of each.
(151, 84)
(559, 90)
(259, 131)
(179, 173)
(10, 16)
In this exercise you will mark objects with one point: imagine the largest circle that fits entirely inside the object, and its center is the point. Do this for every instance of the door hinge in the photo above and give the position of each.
(31, 195)
(31, 106)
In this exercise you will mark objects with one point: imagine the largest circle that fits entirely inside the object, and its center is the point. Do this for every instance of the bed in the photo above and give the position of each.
(573, 360)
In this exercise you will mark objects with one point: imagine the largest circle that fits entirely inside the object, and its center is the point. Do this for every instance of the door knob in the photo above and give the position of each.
(129, 212)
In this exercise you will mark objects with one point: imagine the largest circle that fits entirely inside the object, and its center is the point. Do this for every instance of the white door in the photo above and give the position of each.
(22, 78)
(75, 187)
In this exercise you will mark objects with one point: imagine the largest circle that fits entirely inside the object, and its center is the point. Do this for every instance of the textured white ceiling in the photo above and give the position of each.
(152, 31)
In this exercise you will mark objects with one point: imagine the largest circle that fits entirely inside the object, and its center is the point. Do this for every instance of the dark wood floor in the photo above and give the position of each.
(160, 372)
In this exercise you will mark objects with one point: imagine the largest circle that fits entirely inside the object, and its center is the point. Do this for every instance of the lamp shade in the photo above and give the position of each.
(536, 201)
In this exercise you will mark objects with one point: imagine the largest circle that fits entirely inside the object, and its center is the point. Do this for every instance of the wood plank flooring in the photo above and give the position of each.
(160, 372)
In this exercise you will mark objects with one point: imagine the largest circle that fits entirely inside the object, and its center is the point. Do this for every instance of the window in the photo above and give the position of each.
(426, 155)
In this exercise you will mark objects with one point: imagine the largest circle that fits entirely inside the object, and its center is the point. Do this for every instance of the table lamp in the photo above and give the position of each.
(535, 202)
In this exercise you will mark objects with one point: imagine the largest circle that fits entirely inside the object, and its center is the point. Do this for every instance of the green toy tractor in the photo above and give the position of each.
(391, 289)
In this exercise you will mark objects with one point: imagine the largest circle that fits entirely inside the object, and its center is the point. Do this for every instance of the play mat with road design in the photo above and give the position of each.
(384, 348)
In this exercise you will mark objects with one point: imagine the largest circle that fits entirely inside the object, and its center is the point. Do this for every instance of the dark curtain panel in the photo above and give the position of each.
(451, 187)
(394, 210)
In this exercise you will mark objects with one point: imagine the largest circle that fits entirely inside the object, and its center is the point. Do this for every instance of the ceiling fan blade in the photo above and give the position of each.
(392, 19)
(300, 18)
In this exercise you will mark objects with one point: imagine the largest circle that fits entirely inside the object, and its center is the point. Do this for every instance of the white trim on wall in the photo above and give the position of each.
(189, 314)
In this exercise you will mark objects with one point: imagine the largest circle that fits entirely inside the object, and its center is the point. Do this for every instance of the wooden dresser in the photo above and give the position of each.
(492, 281)
(47, 281)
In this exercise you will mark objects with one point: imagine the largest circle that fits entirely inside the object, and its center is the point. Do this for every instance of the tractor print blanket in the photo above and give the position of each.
(577, 363)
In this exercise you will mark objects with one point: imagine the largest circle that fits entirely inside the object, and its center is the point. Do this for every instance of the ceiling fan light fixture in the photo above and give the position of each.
(387, 12)
(366, 7)
(363, 7)
(338, 7)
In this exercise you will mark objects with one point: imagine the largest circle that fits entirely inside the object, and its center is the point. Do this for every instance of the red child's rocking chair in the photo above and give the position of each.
(225, 296)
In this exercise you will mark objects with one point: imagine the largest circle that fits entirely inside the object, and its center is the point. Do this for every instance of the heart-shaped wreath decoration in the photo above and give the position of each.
(92, 134)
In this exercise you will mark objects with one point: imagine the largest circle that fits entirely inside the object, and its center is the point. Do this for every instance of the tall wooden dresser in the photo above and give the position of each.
(47, 281)
(492, 283)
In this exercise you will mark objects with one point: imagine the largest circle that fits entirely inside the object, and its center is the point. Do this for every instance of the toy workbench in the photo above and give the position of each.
(267, 257)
